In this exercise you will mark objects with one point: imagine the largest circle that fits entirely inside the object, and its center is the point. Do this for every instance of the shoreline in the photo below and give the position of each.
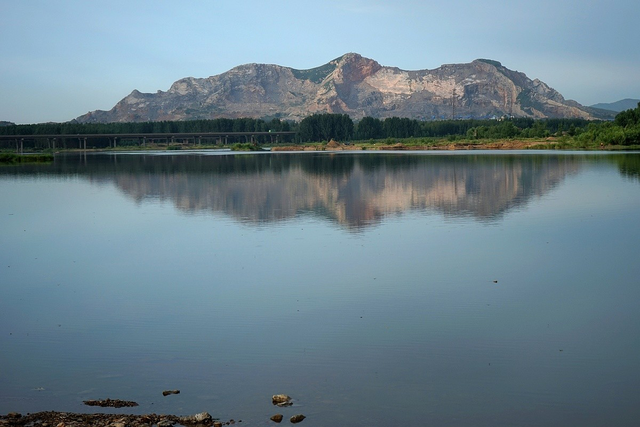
(533, 144)
(462, 145)
(74, 419)
(498, 145)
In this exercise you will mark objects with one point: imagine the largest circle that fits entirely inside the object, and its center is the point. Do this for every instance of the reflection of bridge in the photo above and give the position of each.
(79, 141)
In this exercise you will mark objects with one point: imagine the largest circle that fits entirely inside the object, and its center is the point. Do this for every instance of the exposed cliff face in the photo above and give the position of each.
(351, 85)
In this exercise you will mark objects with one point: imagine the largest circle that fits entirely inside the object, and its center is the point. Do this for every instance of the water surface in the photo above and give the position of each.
(457, 289)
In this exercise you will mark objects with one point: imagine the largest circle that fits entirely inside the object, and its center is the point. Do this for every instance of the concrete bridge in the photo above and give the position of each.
(79, 141)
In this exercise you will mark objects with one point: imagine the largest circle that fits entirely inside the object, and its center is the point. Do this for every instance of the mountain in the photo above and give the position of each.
(3, 123)
(624, 104)
(353, 85)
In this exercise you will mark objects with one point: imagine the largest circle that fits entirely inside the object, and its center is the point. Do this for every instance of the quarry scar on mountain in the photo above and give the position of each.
(353, 85)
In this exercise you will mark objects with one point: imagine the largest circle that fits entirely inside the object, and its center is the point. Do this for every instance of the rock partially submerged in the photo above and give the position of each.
(202, 417)
(168, 392)
(110, 403)
(276, 418)
(281, 400)
(297, 418)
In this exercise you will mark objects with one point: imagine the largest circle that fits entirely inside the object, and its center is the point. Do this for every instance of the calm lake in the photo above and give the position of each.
(396, 289)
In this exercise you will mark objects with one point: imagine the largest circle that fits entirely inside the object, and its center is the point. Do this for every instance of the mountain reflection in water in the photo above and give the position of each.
(355, 190)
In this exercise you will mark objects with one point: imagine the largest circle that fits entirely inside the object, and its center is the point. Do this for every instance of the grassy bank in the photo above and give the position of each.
(247, 146)
(457, 143)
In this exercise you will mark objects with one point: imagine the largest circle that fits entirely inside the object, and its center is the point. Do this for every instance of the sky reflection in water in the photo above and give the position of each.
(361, 284)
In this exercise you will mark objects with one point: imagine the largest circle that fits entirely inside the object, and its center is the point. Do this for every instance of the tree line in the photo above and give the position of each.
(624, 130)
(322, 127)
(187, 126)
(318, 127)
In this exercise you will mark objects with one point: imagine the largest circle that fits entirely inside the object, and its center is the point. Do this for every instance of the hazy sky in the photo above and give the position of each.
(61, 59)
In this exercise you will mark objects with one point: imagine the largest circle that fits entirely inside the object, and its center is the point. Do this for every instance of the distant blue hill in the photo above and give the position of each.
(625, 104)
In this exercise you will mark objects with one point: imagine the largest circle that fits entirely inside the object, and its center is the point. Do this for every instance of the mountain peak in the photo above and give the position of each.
(496, 64)
(352, 57)
(349, 56)
(355, 68)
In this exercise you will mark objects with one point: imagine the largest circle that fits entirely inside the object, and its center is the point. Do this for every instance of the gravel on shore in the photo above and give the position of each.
(69, 419)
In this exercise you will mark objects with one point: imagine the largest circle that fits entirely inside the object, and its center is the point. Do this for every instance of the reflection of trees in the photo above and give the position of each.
(629, 165)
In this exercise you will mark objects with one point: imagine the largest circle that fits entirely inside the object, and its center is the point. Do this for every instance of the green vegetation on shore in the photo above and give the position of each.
(369, 132)
(245, 147)
(505, 133)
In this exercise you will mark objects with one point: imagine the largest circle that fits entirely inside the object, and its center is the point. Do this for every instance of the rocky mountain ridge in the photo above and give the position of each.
(353, 85)
(618, 106)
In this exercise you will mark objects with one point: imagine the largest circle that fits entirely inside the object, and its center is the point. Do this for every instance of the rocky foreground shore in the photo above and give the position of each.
(70, 419)
(67, 419)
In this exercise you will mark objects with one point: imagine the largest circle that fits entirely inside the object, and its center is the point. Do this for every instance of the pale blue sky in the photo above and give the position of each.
(61, 59)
